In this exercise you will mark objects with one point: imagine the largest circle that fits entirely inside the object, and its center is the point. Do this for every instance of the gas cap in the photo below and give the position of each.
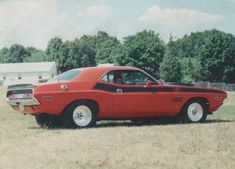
(64, 87)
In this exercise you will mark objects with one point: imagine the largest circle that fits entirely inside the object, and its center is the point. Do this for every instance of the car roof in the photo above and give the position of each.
(94, 73)
(109, 68)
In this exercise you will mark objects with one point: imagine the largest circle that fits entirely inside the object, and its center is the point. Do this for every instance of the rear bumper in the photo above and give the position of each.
(26, 102)
(22, 104)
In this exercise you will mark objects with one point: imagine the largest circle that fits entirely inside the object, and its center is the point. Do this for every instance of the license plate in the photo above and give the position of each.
(20, 96)
(21, 107)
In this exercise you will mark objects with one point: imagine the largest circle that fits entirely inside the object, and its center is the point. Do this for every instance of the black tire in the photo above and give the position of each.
(189, 116)
(69, 119)
(48, 121)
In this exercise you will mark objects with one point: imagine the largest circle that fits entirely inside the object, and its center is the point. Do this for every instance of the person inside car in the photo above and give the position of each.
(118, 79)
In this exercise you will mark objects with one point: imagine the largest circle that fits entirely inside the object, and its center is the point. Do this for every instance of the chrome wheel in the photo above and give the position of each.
(82, 115)
(195, 112)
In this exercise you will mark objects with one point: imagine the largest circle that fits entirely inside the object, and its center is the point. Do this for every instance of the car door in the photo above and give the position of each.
(132, 97)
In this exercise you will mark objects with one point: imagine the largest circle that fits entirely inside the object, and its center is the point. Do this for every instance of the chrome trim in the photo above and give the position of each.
(25, 102)
(119, 91)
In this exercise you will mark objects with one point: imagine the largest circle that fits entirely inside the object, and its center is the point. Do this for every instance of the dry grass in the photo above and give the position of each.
(230, 101)
(2, 90)
(174, 146)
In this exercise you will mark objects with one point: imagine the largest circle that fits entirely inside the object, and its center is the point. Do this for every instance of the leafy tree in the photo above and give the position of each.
(57, 51)
(36, 55)
(189, 46)
(207, 55)
(217, 57)
(213, 50)
(74, 55)
(144, 50)
(191, 69)
(170, 66)
(3, 55)
(87, 50)
(105, 44)
(17, 53)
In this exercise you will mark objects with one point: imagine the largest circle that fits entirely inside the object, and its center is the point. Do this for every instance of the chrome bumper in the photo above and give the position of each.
(22, 102)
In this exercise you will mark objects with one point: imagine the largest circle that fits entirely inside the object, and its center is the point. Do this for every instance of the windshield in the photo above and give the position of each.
(66, 76)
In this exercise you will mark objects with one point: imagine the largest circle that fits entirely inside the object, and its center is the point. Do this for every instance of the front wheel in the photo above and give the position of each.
(194, 111)
(80, 114)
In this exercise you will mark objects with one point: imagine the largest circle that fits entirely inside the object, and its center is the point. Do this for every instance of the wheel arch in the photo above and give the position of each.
(93, 102)
(201, 99)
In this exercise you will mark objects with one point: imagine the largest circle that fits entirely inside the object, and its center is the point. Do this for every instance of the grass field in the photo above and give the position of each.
(119, 145)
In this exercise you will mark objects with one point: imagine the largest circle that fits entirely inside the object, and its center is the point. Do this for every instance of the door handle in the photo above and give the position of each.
(119, 91)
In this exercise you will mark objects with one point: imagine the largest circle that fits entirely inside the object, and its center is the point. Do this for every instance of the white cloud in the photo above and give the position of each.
(176, 17)
(102, 11)
(34, 22)
(28, 22)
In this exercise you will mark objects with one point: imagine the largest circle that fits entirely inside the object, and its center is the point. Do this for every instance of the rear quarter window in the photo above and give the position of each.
(66, 76)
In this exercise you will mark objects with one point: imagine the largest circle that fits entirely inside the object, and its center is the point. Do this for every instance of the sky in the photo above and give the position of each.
(35, 22)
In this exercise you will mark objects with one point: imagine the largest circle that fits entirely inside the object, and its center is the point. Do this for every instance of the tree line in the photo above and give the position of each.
(200, 56)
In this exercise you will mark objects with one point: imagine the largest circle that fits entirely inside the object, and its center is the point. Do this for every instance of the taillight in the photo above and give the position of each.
(21, 96)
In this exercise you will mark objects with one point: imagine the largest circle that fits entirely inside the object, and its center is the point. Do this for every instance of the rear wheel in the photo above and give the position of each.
(47, 120)
(194, 111)
(80, 114)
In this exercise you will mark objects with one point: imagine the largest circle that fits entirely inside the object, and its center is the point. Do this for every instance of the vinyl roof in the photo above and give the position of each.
(26, 67)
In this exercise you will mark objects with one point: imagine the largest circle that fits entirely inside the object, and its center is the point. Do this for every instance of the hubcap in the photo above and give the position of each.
(195, 112)
(82, 115)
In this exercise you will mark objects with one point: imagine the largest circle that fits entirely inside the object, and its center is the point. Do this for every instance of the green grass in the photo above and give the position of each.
(224, 113)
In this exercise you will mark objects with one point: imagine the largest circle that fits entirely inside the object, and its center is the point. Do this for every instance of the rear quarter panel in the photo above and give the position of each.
(53, 100)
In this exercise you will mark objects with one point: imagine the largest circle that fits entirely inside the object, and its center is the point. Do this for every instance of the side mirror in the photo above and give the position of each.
(148, 83)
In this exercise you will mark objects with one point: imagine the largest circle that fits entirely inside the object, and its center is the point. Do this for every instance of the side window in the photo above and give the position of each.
(127, 77)
(66, 76)
(108, 77)
(135, 78)
(116, 77)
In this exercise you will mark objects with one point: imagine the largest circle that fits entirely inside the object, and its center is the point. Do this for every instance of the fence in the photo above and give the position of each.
(222, 85)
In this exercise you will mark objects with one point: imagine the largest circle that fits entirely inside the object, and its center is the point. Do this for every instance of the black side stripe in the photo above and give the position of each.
(113, 88)
(200, 90)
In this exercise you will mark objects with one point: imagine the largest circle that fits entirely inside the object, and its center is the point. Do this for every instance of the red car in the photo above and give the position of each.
(80, 97)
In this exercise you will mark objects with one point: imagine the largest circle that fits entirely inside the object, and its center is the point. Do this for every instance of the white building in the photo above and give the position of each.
(16, 73)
